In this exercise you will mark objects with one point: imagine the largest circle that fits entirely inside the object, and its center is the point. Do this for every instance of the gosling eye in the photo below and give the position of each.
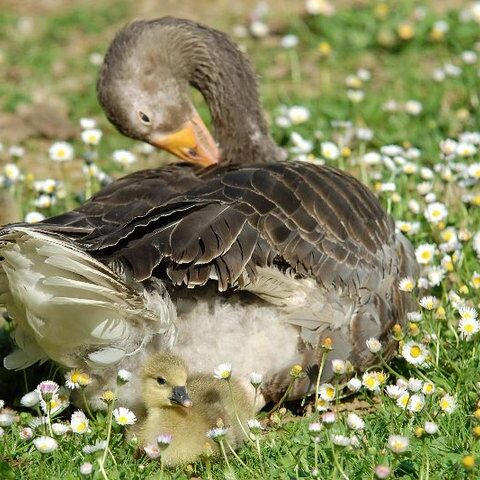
(161, 381)
(144, 118)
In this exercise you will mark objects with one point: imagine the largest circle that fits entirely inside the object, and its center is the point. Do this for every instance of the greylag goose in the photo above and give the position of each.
(250, 260)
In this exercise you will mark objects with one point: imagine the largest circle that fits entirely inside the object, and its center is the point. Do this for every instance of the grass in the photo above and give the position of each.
(312, 75)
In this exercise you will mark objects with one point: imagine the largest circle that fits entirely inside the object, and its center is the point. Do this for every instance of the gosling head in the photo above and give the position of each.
(164, 382)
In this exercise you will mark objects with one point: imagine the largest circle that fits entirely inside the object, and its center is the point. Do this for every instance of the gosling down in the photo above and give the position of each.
(188, 407)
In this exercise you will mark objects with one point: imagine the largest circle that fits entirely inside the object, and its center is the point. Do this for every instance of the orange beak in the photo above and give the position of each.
(193, 143)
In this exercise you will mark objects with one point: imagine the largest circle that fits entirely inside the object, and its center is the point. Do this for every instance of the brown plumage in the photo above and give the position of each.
(308, 245)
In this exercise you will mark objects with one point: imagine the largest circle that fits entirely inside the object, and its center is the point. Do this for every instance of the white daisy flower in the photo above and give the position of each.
(79, 422)
(7, 419)
(30, 399)
(223, 371)
(256, 379)
(60, 429)
(398, 443)
(428, 388)
(301, 145)
(322, 405)
(431, 428)
(468, 313)
(98, 446)
(327, 392)
(61, 152)
(414, 353)
(429, 302)
(91, 136)
(72, 379)
(395, 391)
(12, 172)
(373, 345)
(416, 403)
(413, 107)
(340, 440)
(355, 422)
(414, 317)
(34, 217)
(448, 404)
(435, 275)
(87, 123)
(45, 444)
(86, 468)
(354, 384)
(372, 158)
(339, 367)
(254, 425)
(329, 150)
(355, 96)
(123, 416)
(424, 253)
(406, 284)
(124, 375)
(414, 384)
(124, 158)
(402, 400)
(152, 451)
(468, 327)
(298, 114)
(436, 212)
(25, 433)
(217, 433)
(466, 149)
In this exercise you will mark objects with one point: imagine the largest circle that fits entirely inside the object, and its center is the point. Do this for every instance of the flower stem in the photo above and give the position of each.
(234, 405)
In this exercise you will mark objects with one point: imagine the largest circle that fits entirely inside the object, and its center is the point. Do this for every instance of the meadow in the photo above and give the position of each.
(387, 90)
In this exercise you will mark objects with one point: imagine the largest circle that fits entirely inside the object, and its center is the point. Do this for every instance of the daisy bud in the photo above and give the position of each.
(164, 440)
(123, 376)
(327, 344)
(339, 367)
(382, 471)
(373, 345)
(25, 433)
(468, 462)
(431, 428)
(256, 379)
(86, 468)
(152, 451)
(476, 431)
(354, 384)
(296, 371)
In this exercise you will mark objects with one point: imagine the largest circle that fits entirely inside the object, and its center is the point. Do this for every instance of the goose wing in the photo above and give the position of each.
(315, 220)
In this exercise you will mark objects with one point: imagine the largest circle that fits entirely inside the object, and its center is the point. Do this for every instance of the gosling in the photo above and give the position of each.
(187, 408)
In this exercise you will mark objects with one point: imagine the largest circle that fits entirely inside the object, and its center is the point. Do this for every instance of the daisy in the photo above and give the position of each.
(79, 422)
(315, 428)
(25, 433)
(123, 416)
(373, 345)
(407, 284)
(60, 429)
(7, 419)
(223, 371)
(395, 391)
(98, 446)
(416, 403)
(254, 425)
(354, 384)
(256, 379)
(217, 433)
(436, 212)
(341, 440)
(86, 468)
(475, 280)
(429, 302)
(34, 217)
(468, 327)
(398, 443)
(12, 172)
(298, 114)
(30, 399)
(327, 392)
(468, 313)
(414, 353)
(329, 150)
(355, 422)
(329, 417)
(45, 444)
(428, 388)
(91, 136)
(124, 376)
(414, 384)
(152, 451)
(124, 157)
(431, 428)
(72, 379)
(164, 440)
(402, 400)
(87, 123)
(47, 389)
(61, 152)
(339, 367)
(425, 253)
(371, 381)
(448, 404)
(413, 107)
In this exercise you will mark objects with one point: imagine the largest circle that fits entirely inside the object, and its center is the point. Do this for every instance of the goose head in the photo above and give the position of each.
(145, 84)
(164, 380)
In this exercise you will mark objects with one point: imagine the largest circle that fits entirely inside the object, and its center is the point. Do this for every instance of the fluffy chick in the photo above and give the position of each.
(187, 407)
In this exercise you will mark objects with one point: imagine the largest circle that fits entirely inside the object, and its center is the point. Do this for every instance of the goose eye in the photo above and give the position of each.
(161, 381)
(144, 117)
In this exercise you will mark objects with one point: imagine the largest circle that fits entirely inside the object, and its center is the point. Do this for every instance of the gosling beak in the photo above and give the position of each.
(193, 143)
(180, 396)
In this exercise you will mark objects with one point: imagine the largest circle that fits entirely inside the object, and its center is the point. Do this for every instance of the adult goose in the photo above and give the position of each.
(251, 260)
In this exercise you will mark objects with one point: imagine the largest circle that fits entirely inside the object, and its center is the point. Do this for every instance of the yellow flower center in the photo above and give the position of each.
(426, 255)
(415, 351)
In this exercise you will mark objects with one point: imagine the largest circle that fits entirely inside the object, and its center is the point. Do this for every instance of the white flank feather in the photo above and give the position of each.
(71, 308)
